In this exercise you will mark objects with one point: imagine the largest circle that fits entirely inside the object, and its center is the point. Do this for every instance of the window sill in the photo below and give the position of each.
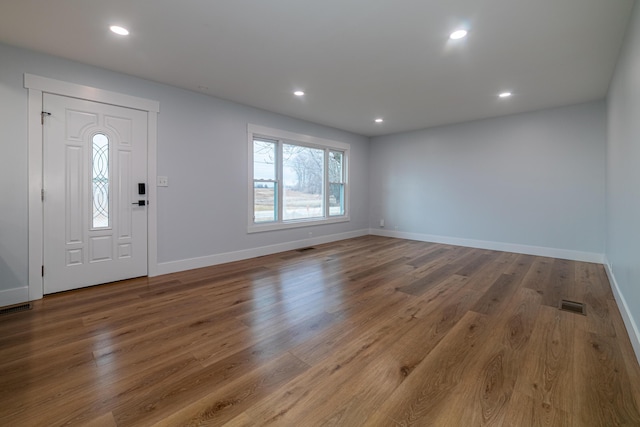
(258, 228)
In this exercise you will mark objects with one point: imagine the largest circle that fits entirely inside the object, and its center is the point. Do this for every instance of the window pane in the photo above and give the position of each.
(264, 159)
(264, 201)
(336, 199)
(336, 183)
(335, 166)
(303, 172)
(100, 181)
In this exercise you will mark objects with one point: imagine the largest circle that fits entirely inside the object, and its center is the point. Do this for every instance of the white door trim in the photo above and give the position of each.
(36, 86)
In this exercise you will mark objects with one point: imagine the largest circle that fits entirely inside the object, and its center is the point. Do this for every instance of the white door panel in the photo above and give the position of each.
(94, 157)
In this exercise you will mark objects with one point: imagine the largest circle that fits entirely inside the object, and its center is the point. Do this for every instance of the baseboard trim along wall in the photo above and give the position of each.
(629, 322)
(495, 246)
(14, 296)
(207, 261)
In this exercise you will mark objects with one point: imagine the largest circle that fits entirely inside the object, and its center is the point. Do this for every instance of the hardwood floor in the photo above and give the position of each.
(369, 331)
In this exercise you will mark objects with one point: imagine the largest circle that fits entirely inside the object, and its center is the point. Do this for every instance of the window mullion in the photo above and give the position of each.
(326, 184)
(280, 183)
(345, 186)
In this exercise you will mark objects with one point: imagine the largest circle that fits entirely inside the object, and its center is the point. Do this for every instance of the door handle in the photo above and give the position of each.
(140, 203)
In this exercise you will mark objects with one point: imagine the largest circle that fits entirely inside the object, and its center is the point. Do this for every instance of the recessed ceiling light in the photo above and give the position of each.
(458, 34)
(119, 30)
(505, 94)
(298, 93)
(378, 120)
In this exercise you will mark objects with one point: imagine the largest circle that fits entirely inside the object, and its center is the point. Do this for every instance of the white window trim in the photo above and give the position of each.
(298, 139)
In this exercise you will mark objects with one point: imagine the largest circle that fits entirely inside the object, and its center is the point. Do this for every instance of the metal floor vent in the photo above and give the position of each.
(15, 308)
(310, 248)
(573, 307)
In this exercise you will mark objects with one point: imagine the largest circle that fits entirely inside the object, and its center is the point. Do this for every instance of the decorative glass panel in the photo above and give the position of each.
(100, 180)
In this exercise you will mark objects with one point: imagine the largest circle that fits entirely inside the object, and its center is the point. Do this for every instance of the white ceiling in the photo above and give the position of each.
(355, 59)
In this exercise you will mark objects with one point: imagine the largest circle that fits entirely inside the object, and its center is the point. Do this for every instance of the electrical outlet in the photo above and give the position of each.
(163, 181)
(382, 223)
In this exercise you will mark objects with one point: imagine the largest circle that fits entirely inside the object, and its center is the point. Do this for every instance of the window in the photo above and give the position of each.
(336, 183)
(296, 180)
(264, 181)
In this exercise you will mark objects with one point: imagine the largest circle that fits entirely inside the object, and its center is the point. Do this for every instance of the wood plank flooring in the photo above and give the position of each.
(369, 331)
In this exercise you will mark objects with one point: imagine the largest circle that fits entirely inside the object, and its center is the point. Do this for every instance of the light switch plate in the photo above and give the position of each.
(163, 181)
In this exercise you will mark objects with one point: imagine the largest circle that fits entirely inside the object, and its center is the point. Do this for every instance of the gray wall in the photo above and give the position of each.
(534, 179)
(202, 148)
(623, 172)
(13, 177)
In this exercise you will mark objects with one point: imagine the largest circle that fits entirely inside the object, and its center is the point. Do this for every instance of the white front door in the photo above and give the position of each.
(95, 215)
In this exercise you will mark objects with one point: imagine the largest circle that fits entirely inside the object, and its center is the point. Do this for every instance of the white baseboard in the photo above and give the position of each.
(14, 296)
(207, 261)
(632, 327)
(496, 246)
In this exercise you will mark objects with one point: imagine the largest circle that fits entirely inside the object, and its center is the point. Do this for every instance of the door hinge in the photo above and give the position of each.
(42, 194)
(42, 114)
(43, 271)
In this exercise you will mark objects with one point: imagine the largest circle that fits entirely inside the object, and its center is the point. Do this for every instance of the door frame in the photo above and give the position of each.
(36, 87)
